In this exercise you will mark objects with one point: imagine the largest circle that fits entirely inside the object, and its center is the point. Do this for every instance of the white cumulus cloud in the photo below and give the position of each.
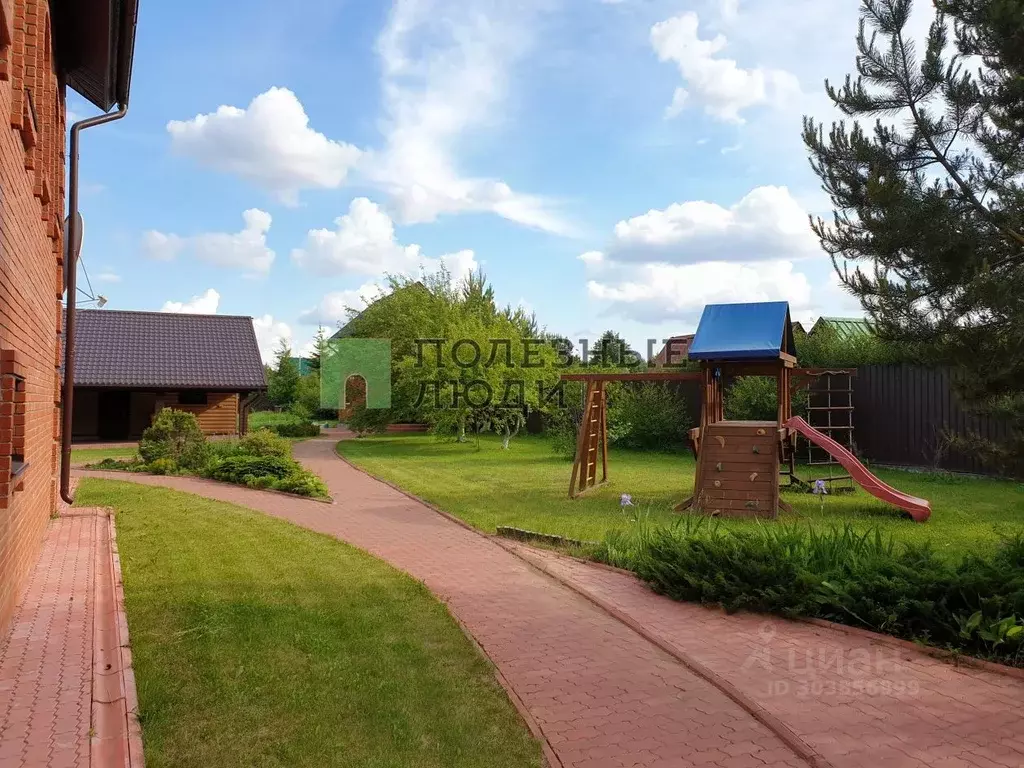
(445, 73)
(767, 223)
(160, 246)
(656, 292)
(444, 82)
(204, 304)
(719, 84)
(245, 250)
(363, 242)
(332, 309)
(269, 333)
(269, 143)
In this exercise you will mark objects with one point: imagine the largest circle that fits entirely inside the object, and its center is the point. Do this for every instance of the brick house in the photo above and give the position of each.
(44, 48)
(131, 364)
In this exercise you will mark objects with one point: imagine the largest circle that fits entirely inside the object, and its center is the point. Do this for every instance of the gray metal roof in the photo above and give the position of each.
(138, 350)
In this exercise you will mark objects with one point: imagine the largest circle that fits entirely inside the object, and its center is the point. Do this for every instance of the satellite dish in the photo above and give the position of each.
(79, 235)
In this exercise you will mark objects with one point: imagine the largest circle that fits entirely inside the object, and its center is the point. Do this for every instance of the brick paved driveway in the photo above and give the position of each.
(603, 695)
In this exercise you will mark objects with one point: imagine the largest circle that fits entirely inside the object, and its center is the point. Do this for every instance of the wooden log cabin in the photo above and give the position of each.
(132, 364)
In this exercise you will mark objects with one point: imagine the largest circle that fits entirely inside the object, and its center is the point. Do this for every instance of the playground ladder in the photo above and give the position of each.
(592, 444)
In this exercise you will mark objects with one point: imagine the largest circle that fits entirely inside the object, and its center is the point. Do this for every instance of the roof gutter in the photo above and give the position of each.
(71, 260)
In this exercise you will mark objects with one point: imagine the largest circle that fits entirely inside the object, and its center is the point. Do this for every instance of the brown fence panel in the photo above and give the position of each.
(901, 413)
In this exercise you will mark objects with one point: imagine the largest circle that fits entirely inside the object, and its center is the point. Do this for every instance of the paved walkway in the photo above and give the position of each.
(64, 676)
(700, 689)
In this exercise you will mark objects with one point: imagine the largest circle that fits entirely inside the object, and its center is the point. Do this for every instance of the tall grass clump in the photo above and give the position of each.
(861, 578)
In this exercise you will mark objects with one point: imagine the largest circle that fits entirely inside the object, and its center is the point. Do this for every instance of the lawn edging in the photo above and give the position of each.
(755, 710)
(87, 471)
(115, 737)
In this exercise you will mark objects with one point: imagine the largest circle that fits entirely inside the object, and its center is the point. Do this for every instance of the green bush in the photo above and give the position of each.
(303, 483)
(755, 398)
(264, 442)
(863, 579)
(369, 420)
(175, 435)
(240, 468)
(164, 466)
(297, 429)
(649, 416)
(275, 472)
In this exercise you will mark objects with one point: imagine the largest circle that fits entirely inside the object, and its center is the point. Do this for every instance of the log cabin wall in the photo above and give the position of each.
(218, 417)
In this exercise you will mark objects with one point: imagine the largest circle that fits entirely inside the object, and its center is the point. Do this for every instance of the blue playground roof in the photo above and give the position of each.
(743, 332)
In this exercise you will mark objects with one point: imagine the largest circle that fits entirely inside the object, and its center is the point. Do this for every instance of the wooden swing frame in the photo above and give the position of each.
(592, 440)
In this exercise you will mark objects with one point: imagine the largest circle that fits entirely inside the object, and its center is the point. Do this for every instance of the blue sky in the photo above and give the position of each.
(609, 163)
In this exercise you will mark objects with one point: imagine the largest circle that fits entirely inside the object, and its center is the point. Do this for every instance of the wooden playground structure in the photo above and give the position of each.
(739, 463)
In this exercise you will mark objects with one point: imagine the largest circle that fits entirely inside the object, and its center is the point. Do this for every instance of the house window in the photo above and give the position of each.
(12, 426)
(191, 397)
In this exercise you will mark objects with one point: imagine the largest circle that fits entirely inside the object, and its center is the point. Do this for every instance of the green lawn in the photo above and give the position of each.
(92, 455)
(259, 419)
(259, 643)
(527, 487)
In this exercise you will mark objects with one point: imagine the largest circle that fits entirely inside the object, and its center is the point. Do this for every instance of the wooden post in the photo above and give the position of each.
(581, 440)
(604, 434)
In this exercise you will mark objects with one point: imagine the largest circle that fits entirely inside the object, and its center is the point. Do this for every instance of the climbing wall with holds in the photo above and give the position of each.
(739, 469)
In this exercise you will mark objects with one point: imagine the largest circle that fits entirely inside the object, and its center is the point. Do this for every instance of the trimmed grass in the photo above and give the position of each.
(92, 455)
(259, 643)
(527, 487)
(258, 419)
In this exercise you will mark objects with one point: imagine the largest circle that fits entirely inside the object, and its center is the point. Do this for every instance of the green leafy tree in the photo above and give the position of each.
(929, 203)
(475, 390)
(613, 351)
(281, 389)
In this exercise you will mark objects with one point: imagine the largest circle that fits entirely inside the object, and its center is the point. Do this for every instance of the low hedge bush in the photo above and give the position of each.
(280, 473)
(862, 579)
(241, 468)
(263, 442)
(297, 429)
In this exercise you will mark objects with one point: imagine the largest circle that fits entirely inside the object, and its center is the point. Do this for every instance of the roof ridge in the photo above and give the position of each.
(159, 312)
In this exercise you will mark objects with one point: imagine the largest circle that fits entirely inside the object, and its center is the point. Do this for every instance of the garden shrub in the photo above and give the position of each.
(862, 579)
(279, 473)
(363, 420)
(297, 429)
(649, 416)
(240, 468)
(263, 442)
(303, 483)
(755, 398)
(164, 466)
(175, 435)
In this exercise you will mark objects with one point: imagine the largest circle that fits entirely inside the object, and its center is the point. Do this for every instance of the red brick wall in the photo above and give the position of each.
(31, 222)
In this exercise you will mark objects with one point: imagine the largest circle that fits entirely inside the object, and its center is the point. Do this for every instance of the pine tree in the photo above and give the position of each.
(319, 344)
(281, 389)
(929, 203)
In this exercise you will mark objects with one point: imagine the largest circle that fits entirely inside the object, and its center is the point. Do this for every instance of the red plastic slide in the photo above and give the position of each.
(919, 509)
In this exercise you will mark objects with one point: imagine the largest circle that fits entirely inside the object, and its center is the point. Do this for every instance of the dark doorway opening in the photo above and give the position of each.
(114, 415)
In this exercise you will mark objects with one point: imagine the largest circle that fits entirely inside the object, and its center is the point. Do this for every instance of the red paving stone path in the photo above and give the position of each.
(46, 659)
(856, 699)
(603, 695)
(65, 681)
